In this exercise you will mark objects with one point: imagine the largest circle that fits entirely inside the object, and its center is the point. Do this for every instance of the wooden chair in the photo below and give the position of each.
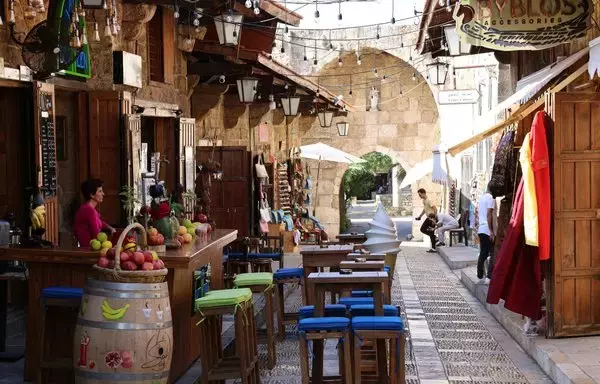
(236, 261)
(461, 231)
(261, 251)
(282, 277)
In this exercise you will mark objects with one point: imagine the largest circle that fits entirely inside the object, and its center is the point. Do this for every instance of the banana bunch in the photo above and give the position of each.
(38, 217)
(113, 314)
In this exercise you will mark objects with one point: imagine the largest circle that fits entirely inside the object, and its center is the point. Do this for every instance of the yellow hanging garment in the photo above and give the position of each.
(530, 213)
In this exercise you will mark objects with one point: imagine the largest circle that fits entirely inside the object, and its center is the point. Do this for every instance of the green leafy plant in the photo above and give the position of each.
(130, 202)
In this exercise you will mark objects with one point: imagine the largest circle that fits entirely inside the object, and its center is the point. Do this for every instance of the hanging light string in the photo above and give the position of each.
(400, 95)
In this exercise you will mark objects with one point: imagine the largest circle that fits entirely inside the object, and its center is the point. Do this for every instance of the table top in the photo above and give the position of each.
(369, 264)
(351, 236)
(173, 258)
(356, 277)
(368, 256)
(333, 248)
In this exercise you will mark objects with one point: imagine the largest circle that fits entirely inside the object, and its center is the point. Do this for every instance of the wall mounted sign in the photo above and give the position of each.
(510, 25)
(127, 69)
(458, 96)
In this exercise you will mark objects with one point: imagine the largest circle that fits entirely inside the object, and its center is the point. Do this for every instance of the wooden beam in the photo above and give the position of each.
(519, 114)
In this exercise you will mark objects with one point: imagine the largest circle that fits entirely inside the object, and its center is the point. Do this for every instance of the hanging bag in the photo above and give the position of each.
(261, 171)
(308, 182)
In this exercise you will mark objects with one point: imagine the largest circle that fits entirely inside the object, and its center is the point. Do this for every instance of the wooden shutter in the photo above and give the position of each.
(187, 163)
(134, 129)
(168, 45)
(45, 156)
(574, 305)
(105, 150)
(155, 49)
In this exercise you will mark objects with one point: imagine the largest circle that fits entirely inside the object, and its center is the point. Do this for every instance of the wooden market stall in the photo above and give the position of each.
(72, 266)
(572, 275)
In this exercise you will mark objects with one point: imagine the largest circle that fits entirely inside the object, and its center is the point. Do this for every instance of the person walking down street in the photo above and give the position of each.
(428, 227)
(487, 233)
(443, 222)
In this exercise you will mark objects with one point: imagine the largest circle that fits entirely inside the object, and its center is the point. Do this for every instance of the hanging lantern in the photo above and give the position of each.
(437, 71)
(325, 118)
(342, 128)
(290, 105)
(455, 44)
(228, 28)
(247, 89)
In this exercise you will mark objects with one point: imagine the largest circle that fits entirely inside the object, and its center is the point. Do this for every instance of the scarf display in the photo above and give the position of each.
(503, 172)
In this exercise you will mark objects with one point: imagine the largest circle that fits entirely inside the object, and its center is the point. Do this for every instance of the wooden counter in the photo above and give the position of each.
(71, 267)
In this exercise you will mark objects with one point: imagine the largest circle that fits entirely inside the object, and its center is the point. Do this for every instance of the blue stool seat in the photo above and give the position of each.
(369, 310)
(331, 310)
(377, 323)
(350, 301)
(235, 255)
(289, 273)
(362, 293)
(62, 293)
(323, 324)
(386, 269)
(267, 255)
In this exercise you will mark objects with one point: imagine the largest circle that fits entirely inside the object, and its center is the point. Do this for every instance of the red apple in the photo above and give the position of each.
(161, 239)
(110, 254)
(139, 258)
(103, 262)
(153, 240)
(159, 264)
(202, 218)
(129, 266)
(148, 256)
(147, 267)
(124, 257)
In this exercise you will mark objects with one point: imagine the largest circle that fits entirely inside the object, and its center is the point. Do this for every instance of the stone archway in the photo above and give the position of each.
(405, 127)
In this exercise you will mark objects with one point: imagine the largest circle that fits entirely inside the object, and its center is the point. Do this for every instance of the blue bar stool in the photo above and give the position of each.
(331, 310)
(66, 297)
(282, 277)
(376, 329)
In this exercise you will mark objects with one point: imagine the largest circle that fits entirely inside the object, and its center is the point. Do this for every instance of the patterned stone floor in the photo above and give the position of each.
(451, 339)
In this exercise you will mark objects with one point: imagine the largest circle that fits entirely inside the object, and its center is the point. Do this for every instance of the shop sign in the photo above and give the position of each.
(510, 25)
(458, 96)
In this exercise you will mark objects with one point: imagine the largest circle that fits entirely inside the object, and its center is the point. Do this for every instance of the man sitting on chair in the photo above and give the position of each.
(443, 222)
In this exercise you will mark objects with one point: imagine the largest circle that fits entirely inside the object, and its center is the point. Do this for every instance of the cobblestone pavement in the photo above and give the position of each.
(451, 338)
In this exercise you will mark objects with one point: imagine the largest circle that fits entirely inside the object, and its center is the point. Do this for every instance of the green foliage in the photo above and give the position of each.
(130, 201)
(358, 182)
(377, 162)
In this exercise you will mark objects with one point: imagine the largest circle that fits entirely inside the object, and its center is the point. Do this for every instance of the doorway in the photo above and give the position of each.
(160, 136)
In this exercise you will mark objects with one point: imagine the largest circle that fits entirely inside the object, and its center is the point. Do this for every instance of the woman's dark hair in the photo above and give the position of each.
(422, 190)
(90, 187)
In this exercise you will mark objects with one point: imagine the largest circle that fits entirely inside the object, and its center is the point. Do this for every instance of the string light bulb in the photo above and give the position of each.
(340, 61)
(414, 76)
(11, 13)
(317, 16)
(375, 73)
(286, 86)
(248, 4)
(256, 8)
(358, 60)
(176, 11)
(315, 62)
(84, 39)
(107, 32)
(272, 104)
(96, 32)
(282, 49)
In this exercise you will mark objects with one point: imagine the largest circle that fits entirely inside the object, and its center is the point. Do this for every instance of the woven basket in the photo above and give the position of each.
(120, 276)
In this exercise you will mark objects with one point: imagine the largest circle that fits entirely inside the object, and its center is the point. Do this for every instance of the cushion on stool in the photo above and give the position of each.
(362, 293)
(234, 255)
(377, 323)
(369, 310)
(256, 278)
(223, 297)
(349, 301)
(266, 255)
(387, 269)
(323, 324)
(288, 273)
(331, 310)
(62, 293)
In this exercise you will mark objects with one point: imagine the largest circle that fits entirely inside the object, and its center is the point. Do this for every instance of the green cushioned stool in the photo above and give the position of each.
(262, 282)
(216, 366)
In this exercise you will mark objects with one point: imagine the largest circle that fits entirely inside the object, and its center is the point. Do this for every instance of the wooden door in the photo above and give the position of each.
(574, 305)
(230, 205)
(166, 145)
(45, 154)
(105, 150)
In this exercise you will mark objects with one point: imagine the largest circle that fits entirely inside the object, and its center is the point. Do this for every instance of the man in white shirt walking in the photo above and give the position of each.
(487, 233)
(444, 222)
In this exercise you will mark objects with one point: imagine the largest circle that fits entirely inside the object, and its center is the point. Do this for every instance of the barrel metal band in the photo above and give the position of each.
(124, 326)
(125, 286)
(125, 295)
(108, 376)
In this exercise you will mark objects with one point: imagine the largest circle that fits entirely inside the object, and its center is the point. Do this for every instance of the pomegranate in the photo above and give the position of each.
(110, 254)
(148, 256)
(129, 266)
(127, 357)
(147, 266)
(103, 262)
(124, 257)
(139, 258)
(113, 359)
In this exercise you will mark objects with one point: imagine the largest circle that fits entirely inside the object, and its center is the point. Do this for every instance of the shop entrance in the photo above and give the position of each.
(159, 134)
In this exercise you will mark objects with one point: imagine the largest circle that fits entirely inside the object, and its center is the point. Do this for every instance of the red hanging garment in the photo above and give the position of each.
(540, 163)
(517, 276)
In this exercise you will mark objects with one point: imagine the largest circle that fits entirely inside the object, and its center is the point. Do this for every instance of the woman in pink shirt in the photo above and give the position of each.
(88, 224)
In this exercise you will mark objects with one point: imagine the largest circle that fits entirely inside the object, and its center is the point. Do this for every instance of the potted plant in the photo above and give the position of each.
(130, 202)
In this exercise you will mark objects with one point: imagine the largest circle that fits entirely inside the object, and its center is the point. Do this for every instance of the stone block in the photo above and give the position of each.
(412, 116)
(372, 117)
(384, 117)
(428, 116)
(325, 201)
(387, 142)
(388, 130)
(372, 131)
(403, 104)
(414, 103)
(326, 187)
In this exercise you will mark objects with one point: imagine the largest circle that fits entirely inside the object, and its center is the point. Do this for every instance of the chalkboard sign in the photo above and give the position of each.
(48, 144)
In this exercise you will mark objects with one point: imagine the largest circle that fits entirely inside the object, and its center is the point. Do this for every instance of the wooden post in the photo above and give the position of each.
(317, 187)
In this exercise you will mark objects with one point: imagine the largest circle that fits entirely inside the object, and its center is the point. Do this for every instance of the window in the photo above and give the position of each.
(161, 46)
(156, 63)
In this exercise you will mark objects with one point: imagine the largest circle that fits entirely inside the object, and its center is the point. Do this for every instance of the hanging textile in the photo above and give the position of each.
(530, 203)
(517, 275)
(501, 182)
(503, 220)
(540, 164)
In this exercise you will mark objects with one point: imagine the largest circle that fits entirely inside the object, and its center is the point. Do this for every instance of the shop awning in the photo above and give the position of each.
(530, 86)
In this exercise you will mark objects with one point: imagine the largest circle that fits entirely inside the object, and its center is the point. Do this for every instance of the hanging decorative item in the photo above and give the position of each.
(374, 99)
(342, 128)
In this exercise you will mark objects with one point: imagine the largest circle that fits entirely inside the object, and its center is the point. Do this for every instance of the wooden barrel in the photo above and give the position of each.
(124, 333)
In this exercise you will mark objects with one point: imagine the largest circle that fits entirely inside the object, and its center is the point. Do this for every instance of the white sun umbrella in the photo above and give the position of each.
(437, 165)
(417, 172)
(320, 151)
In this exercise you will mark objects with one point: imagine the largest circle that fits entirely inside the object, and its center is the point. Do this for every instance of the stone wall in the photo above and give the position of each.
(132, 38)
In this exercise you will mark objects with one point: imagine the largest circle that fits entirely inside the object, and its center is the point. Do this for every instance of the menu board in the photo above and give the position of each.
(48, 145)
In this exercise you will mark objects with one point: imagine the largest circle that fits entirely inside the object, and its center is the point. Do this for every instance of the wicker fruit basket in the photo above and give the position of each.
(119, 275)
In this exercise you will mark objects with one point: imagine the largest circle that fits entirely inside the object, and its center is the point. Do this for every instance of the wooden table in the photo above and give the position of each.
(72, 266)
(315, 257)
(367, 256)
(369, 265)
(321, 282)
(351, 238)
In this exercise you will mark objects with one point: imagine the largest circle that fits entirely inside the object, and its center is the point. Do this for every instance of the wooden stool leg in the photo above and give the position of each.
(40, 376)
(356, 354)
(270, 328)
(402, 351)
(347, 366)
(280, 311)
(394, 360)
(382, 361)
(203, 351)
(304, 359)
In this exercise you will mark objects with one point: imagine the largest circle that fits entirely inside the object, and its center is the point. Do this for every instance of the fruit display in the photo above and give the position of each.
(101, 243)
(154, 237)
(131, 257)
